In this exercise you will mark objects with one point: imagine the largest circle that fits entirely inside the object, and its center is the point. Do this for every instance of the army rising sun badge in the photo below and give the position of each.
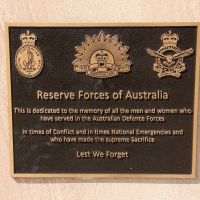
(102, 56)
(169, 58)
(28, 59)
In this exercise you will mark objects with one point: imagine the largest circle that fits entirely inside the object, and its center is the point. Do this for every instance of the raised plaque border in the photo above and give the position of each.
(111, 176)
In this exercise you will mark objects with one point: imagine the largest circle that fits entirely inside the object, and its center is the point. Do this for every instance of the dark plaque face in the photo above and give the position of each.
(107, 101)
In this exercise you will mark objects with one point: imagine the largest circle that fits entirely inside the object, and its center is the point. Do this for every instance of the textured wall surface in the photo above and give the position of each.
(89, 11)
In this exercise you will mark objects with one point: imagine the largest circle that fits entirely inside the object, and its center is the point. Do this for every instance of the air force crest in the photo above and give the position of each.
(169, 58)
(102, 56)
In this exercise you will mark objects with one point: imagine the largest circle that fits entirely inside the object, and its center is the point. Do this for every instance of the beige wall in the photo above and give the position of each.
(88, 11)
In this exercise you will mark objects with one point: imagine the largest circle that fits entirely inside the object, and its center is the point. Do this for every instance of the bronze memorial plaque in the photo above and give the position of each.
(103, 100)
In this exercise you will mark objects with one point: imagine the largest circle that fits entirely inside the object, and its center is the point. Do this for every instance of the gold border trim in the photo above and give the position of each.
(111, 176)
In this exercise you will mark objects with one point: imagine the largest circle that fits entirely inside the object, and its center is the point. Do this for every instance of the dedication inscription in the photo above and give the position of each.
(103, 101)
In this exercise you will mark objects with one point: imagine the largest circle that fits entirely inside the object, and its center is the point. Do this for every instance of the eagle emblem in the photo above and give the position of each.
(169, 58)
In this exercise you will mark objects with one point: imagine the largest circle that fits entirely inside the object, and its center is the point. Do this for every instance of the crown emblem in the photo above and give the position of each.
(102, 56)
(28, 58)
(169, 39)
(169, 58)
(28, 38)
